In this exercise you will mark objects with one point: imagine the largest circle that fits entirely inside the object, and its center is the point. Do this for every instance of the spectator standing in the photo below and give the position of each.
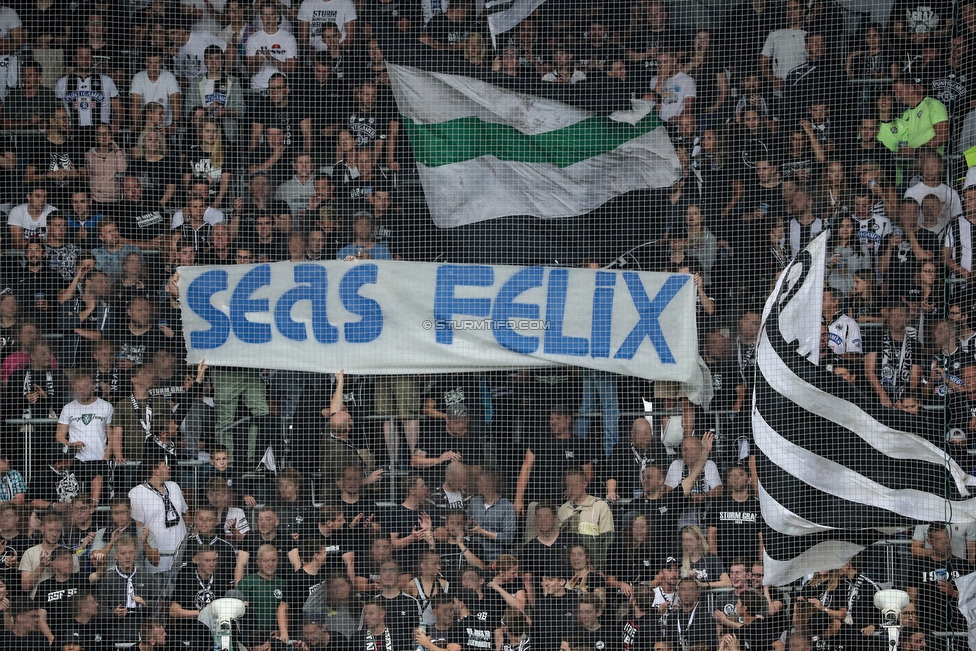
(271, 49)
(158, 504)
(155, 85)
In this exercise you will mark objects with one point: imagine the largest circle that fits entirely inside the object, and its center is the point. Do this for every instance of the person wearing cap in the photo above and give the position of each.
(925, 122)
(25, 634)
(453, 443)
(892, 357)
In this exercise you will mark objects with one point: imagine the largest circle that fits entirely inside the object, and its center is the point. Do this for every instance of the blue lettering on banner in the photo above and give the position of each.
(446, 305)
(650, 312)
(602, 316)
(241, 303)
(556, 342)
(370, 324)
(506, 308)
(310, 282)
(316, 291)
(198, 298)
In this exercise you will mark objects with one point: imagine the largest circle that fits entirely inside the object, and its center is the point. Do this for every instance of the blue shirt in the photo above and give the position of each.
(498, 518)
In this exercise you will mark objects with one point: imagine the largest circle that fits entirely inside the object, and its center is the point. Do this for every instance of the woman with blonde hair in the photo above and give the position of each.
(474, 50)
(699, 563)
(210, 160)
(154, 167)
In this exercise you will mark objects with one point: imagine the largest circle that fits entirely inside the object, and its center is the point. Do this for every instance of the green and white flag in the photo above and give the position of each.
(485, 152)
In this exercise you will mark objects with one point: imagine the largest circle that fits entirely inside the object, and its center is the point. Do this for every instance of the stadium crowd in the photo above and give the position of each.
(146, 135)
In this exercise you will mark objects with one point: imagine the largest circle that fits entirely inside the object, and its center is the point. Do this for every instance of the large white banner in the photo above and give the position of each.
(387, 317)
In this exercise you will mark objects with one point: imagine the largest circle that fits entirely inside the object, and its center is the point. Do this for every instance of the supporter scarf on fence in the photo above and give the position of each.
(485, 152)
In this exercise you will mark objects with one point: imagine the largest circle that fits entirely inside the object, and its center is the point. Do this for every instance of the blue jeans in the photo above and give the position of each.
(605, 384)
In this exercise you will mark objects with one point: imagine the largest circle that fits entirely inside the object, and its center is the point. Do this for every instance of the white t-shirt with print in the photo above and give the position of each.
(88, 424)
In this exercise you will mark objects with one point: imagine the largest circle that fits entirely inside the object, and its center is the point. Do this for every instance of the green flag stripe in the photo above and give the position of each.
(463, 139)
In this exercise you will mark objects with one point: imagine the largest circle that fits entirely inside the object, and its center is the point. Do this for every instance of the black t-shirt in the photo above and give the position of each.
(287, 118)
(140, 222)
(556, 616)
(299, 587)
(553, 457)
(46, 156)
(640, 633)
(226, 559)
(192, 592)
(937, 610)
(540, 560)
(368, 126)
(253, 540)
(154, 177)
(453, 635)
(737, 526)
(56, 599)
(445, 31)
(93, 636)
(893, 367)
(638, 566)
(29, 642)
(59, 486)
(456, 389)
(137, 348)
(402, 616)
(202, 166)
(695, 628)
(277, 174)
(904, 265)
(604, 638)
(762, 633)
(486, 615)
(662, 515)
(627, 463)
(295, 517)
(468, 446)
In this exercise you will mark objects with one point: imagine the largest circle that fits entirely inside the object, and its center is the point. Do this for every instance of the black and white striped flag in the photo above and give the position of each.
(836, 472)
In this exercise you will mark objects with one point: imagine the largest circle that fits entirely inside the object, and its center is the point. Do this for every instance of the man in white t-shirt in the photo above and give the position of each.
(83, 426)
(784, 49)
(89, 98)
(962, 539)
(843, 331)
(313, 15)
(708, 485)
(672, 89)
(28, 221)
(158, 504)
(191, 45)
(931, 167)
(270, 50)
(155, 85)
